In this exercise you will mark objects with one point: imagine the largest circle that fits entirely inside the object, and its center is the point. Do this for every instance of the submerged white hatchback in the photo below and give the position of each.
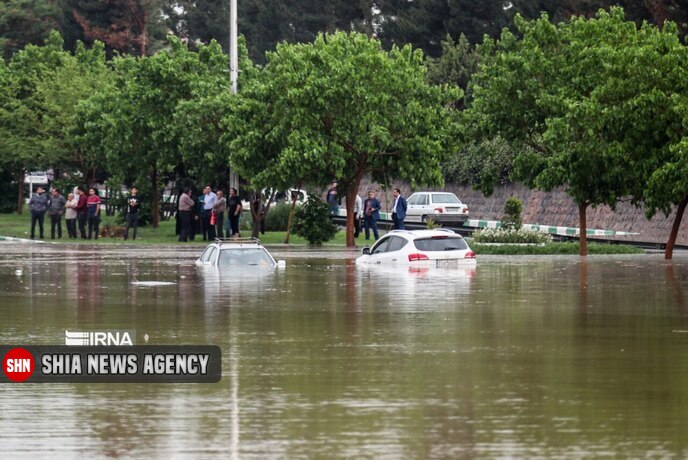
(421, 248)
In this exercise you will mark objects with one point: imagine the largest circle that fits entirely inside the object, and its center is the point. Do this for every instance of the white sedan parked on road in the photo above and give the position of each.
(442, 207)
(421, 248)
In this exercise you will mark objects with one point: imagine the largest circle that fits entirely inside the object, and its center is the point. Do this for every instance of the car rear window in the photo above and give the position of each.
(445, 198)
(440, 243)
(242, 257)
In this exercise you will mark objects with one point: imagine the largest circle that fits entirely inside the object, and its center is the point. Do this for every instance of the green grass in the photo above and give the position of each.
(19, 226)
(553, 249)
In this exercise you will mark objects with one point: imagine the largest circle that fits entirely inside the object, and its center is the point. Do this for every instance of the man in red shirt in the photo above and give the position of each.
(81, 210)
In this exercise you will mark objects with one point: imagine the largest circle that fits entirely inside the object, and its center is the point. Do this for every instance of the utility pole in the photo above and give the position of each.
(233, 69)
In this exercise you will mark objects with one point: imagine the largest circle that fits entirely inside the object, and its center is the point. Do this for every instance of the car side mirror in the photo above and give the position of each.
(366, 251)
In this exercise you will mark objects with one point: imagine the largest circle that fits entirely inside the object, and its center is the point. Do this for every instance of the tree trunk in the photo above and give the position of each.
(19, 177)
(583, 224)
(669, 251)
(256, 204)
(156, 202)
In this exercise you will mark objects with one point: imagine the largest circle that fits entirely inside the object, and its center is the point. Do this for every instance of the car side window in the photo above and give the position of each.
(208, 254)
(381, 246)
(423, 200)
(413, 199)
(396, 243)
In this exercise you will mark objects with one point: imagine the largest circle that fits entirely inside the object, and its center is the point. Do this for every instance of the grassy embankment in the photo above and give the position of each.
(19, 226)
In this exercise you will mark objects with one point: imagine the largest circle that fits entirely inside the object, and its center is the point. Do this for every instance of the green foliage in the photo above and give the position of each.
(277, 218)
(24, 22)
(312, 222)
(481, 164)
(133, 126)
(424, 24)
(265, 24)
(431, 224)
(456, 65)
(512, 214)
(340, 107)
(511, 235)
(553, 249)
(588, 98)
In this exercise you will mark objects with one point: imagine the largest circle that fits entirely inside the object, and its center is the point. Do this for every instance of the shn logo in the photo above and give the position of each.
(100, 338)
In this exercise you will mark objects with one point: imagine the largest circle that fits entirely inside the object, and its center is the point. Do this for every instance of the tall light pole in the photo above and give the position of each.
(233, 69)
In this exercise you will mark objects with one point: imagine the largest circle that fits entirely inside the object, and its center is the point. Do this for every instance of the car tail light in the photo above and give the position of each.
(439, 210)
(416, 257)
(469, 255)
(465, 210)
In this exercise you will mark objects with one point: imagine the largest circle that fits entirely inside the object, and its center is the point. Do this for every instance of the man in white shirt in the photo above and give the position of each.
(358, 207)
(209, 201)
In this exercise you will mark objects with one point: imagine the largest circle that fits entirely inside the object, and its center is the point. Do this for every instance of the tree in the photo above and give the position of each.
(562, 91)
(133, 125)
(22, 108)
(24, 22)
(342, 107)
(267, 23)
(81, 75)
(425, 23)
(126, 26)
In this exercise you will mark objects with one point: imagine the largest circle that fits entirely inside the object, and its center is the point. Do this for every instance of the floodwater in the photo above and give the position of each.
(519, 357)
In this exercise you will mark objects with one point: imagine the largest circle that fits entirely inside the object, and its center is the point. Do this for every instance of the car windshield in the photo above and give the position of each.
(440, 243)
(445, 198)
(233, 257)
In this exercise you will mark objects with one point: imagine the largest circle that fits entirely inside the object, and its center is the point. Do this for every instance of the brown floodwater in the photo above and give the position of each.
(518, 357)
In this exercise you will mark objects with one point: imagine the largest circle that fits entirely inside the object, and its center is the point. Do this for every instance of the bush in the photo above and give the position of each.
(277, 218)
(555, 249)
(512, 214)
(312, 222)
(507, 235)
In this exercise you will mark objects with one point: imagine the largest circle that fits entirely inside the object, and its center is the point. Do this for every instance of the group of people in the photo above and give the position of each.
(368, 211)
(79, 211)
(209, 212)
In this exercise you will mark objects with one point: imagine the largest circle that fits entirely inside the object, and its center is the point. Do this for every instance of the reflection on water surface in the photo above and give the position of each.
(517, 357)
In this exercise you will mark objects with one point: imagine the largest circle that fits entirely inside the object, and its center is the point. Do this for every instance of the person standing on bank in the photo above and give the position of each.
(70, 215)
(372, 215)
(133, 204)
(219, 209)
(234, 211)
(38, 205)
(332, 199)
(209, 201)
(186, 208)
(93, 209)
(399, 210)
(56, 208)
(82, 211)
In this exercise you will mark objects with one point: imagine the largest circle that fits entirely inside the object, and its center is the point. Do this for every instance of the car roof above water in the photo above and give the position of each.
(425, 233)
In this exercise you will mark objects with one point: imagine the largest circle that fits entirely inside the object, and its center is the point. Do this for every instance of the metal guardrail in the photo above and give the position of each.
(558, 233)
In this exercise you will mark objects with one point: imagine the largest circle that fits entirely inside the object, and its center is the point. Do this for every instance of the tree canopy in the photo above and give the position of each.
(340, 108)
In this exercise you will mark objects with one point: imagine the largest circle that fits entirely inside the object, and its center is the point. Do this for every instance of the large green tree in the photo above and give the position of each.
(133, 125)
(23, 108)
(342, 107)
(563, 92)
